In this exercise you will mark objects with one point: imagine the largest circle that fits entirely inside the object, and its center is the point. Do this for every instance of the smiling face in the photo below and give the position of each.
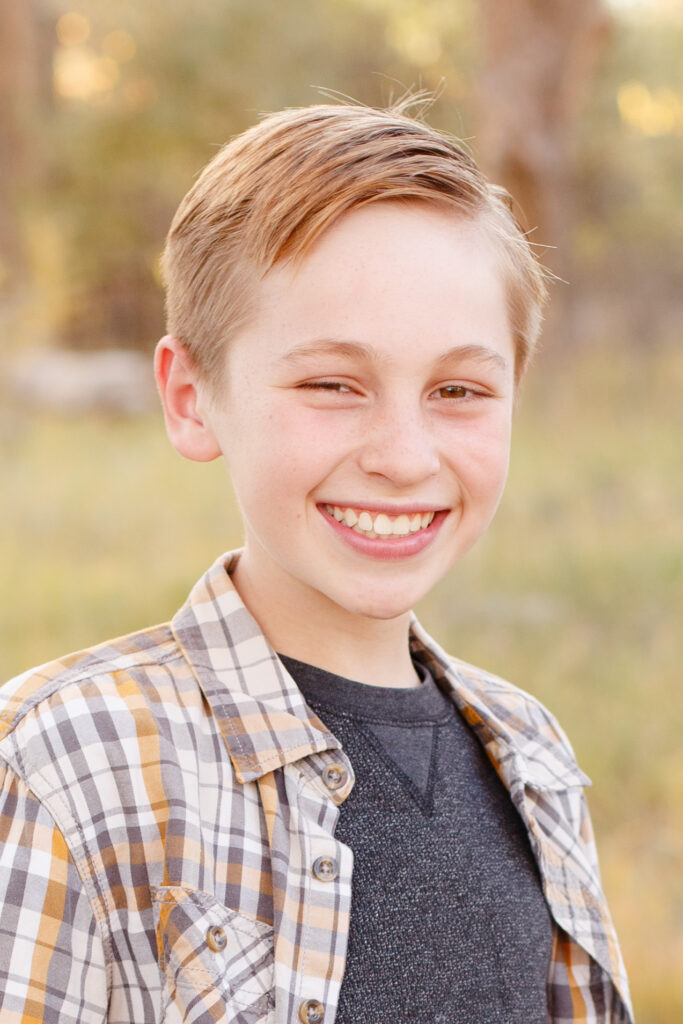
(365, 418)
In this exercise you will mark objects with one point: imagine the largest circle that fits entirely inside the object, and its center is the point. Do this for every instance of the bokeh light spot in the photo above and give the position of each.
(73, 28)
(653, 113)
(80, 74)
(119, 46)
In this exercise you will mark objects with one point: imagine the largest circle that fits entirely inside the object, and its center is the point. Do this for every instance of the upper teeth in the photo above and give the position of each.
(379, 524)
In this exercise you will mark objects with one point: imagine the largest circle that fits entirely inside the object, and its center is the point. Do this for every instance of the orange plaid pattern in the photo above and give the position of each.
(164, 796)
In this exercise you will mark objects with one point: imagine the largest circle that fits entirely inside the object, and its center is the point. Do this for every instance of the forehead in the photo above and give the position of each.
(372, 247)
(398, 278)
(374, 231)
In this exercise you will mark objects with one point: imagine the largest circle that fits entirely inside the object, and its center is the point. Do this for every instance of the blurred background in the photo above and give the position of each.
(108, 112)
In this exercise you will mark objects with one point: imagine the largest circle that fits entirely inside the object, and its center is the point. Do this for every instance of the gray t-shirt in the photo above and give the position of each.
(448, 920)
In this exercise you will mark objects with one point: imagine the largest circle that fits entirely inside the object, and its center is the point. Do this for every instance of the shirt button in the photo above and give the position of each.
(216, 939)
(325, 869)
(334, 776)
(311, 1012)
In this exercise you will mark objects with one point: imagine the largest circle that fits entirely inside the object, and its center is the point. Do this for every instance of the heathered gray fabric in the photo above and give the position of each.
(448, 921)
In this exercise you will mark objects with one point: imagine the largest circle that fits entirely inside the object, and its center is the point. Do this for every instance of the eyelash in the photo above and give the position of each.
(326, 385)
(338, 387)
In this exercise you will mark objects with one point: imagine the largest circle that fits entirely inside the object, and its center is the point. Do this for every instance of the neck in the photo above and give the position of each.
(304, 624)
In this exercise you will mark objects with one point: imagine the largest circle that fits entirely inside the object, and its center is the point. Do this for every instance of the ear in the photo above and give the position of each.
(178, 382)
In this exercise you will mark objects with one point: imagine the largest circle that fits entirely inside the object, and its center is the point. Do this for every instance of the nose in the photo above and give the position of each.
(399, 446)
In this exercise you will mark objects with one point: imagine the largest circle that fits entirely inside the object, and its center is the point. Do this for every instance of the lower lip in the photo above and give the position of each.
(390, 548)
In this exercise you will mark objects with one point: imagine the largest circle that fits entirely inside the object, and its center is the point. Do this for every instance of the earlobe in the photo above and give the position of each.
(178, 381)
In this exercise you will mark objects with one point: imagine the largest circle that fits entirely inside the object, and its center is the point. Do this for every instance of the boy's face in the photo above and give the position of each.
(365, 418)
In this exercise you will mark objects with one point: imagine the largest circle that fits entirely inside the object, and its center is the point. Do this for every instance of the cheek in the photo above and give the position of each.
(283, 457)
(483, 458)
(297, 447)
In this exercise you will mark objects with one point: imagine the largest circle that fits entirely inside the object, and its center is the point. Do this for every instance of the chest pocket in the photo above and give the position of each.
(217, 964)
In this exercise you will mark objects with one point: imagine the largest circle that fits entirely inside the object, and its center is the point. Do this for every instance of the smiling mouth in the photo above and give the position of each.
(380, 524)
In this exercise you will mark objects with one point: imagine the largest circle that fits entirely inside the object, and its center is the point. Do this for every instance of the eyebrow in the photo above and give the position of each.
(479, 353)
(358, 350)
(329, 347)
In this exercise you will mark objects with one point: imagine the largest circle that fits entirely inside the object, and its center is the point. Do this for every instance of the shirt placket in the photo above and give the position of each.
(313, 909)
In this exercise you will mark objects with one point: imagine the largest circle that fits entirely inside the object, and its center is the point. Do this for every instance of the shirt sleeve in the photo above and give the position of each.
(52, 965)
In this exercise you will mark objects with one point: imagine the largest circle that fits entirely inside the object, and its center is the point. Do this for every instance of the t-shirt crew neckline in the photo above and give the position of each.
(424, 704)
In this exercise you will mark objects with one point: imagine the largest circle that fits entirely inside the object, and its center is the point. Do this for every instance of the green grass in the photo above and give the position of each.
(576, 592)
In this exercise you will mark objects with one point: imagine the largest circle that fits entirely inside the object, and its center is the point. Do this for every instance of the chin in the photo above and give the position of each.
(382, 606)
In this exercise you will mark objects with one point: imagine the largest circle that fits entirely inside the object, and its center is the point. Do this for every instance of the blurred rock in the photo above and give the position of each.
(114, 380)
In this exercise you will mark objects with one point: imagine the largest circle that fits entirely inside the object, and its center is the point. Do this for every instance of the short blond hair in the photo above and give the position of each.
(270, 192)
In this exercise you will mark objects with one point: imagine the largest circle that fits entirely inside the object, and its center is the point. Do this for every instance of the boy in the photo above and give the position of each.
(350, 308)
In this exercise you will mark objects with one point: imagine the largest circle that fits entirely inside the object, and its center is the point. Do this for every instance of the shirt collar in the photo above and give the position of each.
(260, 710)
(266, 722)
(522, 739)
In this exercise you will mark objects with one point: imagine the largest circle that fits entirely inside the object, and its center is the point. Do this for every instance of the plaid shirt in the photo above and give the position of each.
(163, 798)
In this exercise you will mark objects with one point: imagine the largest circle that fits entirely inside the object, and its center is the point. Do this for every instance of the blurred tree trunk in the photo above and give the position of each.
(23, 73)
(537, 59)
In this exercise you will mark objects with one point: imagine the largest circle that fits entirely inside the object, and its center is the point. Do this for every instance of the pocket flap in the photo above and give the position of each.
(218, 964)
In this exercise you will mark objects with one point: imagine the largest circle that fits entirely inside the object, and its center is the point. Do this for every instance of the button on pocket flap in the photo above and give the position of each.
(216, 961)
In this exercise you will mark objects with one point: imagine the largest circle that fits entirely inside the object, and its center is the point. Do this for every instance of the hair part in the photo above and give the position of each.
(271, 192)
